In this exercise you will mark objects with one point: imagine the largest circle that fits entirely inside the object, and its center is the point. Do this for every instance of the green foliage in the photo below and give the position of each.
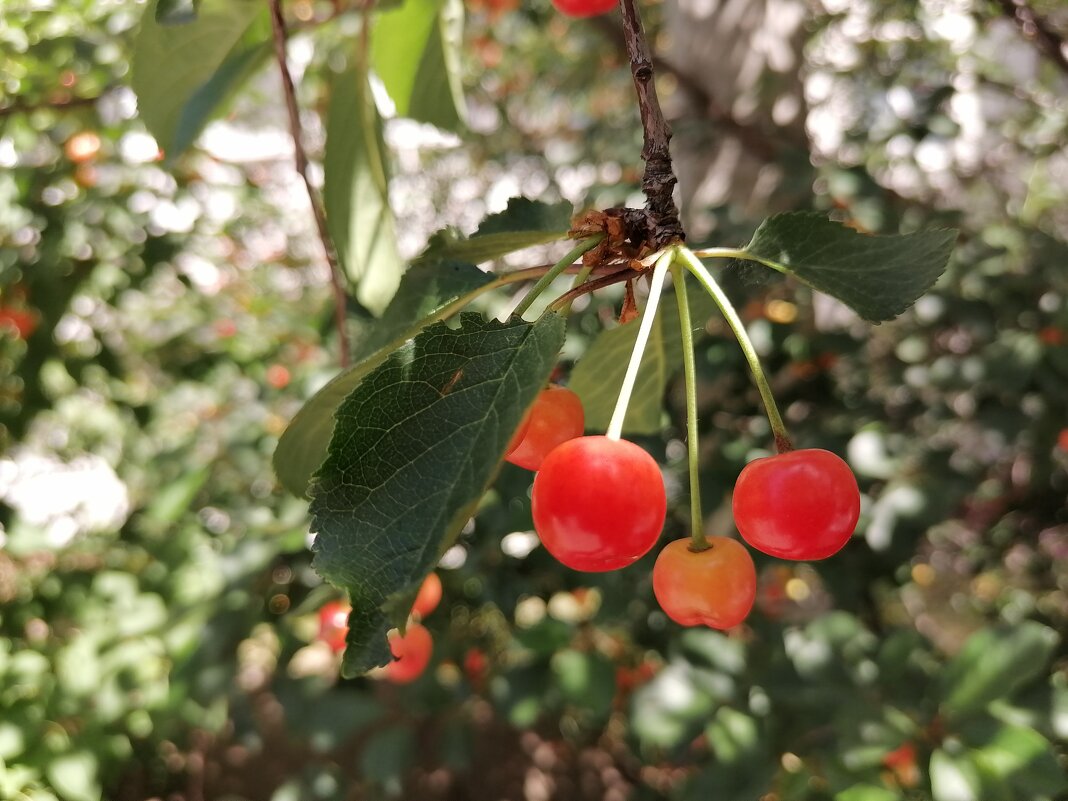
(356, 192)
(182, 72)
(415, 51)
(879, 277)
(414, 448)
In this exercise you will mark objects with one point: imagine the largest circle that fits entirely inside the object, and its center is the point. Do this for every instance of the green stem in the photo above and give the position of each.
(722, 253)
(689, 369)
(580, 279)
(577, 251)
(656, 286)
(693, 264)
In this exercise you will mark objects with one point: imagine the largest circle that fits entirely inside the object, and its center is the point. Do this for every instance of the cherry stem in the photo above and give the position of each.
(694, 265)
(580, 279)
(689, 369)
(656, 287)
(554, 271)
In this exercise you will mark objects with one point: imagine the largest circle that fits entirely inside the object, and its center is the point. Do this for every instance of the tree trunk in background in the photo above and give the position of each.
(739, 112)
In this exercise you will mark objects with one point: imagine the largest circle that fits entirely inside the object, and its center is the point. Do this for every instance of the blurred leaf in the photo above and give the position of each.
(598, 376)
(415, 447)
(1024, 760)
(715, 649)
(74, 776)
(356, 192)
(866, 792)
(879, 277)
(994, 663)
(545, 637)
(426, 294)
(415, 51)
(176, 12)
(174, 500)
(522, 224)
(954, 778)
(587, 680)
(181, 73)
(670, 708)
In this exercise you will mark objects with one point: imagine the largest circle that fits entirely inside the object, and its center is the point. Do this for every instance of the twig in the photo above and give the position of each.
(618, 277)
(300, 158)
(659, 180)
(1035, 27)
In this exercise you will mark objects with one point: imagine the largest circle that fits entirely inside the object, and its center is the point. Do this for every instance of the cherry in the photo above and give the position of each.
(598, 503)
(411, 652)
(801, 505)
(715, 587)
(584, 8)
(334, 624)
(555, 417)
(429, 596)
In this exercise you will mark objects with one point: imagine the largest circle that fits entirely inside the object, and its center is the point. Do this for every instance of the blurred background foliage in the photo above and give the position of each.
(160, 322)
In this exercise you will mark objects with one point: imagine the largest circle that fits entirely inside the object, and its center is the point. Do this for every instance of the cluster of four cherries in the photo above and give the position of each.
(599, 504)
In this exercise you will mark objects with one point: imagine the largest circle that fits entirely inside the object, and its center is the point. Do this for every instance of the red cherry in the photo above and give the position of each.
(21, 323)
(715, 587)
(278, 376)
(429, 596)
(334, 624)
(1062, 439)
(475, 666)
(584, 8)
(555, 417)
(801, 505)
(411, 653)
(598, 503)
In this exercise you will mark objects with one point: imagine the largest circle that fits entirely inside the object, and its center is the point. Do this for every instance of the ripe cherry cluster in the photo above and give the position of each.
(599, 504)
(411, 650)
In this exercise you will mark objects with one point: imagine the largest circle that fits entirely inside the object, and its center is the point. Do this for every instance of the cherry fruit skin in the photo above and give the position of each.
(598, 503)
(411, 652)
(801, 505)
(555, 417)
(715, 587)
(429, 596)
(584, 8)
(334, 624)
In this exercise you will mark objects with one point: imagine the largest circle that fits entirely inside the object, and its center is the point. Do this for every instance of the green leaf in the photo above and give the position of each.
(74, 776)
(415, 447)
(1022, 758)
(428, 292)
(879, 277)
(866, 792)
(176, 12)
(522, 224)
(598, 376)
(994, 663)
(356, 192)
(182, 73)
(954, 778)
(587, 680)
(415, 51)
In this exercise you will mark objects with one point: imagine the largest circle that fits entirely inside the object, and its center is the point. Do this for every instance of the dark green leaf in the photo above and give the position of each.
(176, 12)
(416, 53)
(994, 663)
(415, 447)
(523, 224)
(428, 292)
(356, 193)
(879, 277)
(598, 376)
(587, 680)
(178, 71)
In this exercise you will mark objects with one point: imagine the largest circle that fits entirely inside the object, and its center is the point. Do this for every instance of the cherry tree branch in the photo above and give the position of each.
(659, 180)
(300, 158)
(1036, 28)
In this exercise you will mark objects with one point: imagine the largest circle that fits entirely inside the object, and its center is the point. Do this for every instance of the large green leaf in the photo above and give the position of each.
(522, 224)
(182, 73)
(1020, 758)
(356, 193)
(415, 51)
(994, 663)
(428, 292)
(598, 376)
(415, 447)
(877, 276)
(176, 12)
